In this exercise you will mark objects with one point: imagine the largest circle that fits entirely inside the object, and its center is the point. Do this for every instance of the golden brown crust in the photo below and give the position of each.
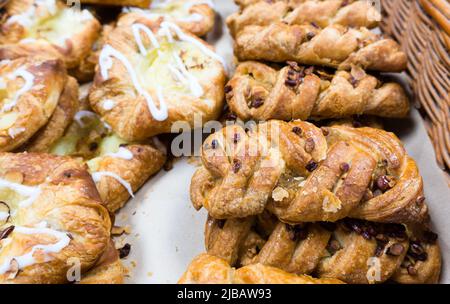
(85, 71)
(131, 117)
(353, 251)
(301, 175)
(197, 19)
(67, 106)
(87, 137)
(334, 46)
(138, 3)
(321, 13)
(29, 30)
(108, 269)
(207, 269)
(24, 113)
(260, 92)
(68, 203)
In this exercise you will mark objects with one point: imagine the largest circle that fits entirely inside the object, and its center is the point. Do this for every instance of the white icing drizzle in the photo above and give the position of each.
(123, 153)
(136, 28)
(29, 83)
(31, 192)
(96, 176)
(105, 62)
(82, 114)
(108, 104)
(28, 258)
(4, 216)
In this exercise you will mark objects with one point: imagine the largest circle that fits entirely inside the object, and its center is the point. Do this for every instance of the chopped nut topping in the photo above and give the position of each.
(332, 205)
(309, 145)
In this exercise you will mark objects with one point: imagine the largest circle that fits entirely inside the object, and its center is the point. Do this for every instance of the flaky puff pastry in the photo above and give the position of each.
(208, 269)
(52, 218)
(48, 28)
(30, 89)
(260, 92)
(334, 46)
(138, 3)
(155, 75)
(194, 16)
(119, 167)
(354, 251)
(321, 13)
(305, 174)
(107, 270)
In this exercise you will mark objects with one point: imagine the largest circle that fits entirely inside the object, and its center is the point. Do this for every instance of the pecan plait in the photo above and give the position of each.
(335, 46)
(301, 175)
(354, 251)
(321, 13)
(258, 91)
(209, 269)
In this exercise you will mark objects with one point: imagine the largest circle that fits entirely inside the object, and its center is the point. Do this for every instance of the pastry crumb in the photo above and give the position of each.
(279, 194)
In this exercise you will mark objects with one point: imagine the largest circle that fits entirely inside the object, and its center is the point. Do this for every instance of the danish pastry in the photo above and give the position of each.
(194, 16)
(354, 251)
(208, 269)
(334, 46)
(321, 13)
(118, 167)
(260, 92)
(30, 91)
(51, 218)
(138, 3)
(149, 77)
(48, 28)
(107, 270)
(305, 174)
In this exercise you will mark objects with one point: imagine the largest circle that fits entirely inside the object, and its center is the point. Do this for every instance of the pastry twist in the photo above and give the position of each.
(322, 13)
(302, 175)
(210, 269)
(335, 46)
(353, 251)
(260, 92)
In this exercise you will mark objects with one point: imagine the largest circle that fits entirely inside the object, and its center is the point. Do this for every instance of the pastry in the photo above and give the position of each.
(138, 3)
(305, 174)
(85, 71)
(30, 91)
(107, 270)
(51, 218)
(354, 251)
(334, 46)
(207, 269)
(48, 28)
(194, 16)
(119, 167)
(151, 76)
(321, 13)
(258, 91)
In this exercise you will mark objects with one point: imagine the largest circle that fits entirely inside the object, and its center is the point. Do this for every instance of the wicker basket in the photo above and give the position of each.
(422, 27)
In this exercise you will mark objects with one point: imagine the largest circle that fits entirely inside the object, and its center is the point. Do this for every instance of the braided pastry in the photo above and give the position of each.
(304, 174)
(322, 13)
(138, 3)
(354, 251)
(207, 269)
(260, 92)
(335, 46)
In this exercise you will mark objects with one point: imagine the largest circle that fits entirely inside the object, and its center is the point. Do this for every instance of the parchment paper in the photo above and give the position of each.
(166, 231)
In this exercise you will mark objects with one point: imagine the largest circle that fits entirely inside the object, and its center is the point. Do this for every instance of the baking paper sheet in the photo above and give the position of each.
(167, 233)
